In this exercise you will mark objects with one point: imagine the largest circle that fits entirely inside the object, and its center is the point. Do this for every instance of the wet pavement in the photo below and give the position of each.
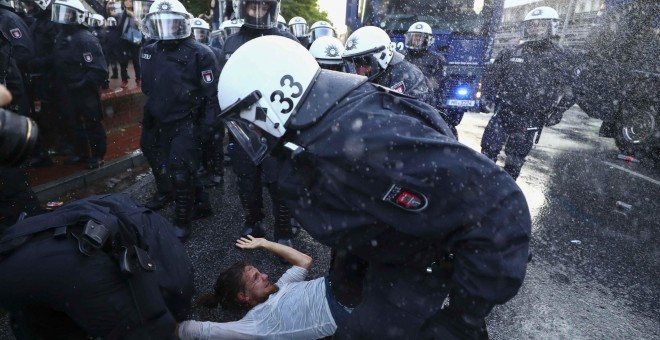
(595, 271)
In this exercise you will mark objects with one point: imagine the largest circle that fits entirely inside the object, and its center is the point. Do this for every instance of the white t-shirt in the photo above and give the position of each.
(299, 310)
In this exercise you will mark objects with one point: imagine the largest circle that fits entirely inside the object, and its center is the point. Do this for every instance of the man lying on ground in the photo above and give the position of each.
(292, 308)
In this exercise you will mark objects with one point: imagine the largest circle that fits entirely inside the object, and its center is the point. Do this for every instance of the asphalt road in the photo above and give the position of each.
(595, 271)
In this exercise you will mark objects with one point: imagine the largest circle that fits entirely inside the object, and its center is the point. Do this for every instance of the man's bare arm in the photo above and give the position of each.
(289, 254)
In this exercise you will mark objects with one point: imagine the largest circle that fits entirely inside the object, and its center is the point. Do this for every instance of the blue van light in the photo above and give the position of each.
(462, 91)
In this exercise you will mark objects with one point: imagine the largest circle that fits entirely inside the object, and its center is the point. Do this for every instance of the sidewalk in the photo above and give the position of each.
(123, 135)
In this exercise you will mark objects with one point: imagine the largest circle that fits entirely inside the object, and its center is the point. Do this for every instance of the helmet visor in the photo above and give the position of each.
(232, 29)
(256, 143)
(534, 30)
(64, 14)
(417, 41)
(321, 32)
(298, 30)
(259, 14)
(202, 35)
(167, 26)
(364, 65)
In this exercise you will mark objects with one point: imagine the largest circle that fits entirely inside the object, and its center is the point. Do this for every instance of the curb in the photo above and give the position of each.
(52, 190)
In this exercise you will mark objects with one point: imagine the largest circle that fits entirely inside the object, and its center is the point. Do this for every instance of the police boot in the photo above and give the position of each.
(163, 194)
(218, 169)
(184, 201)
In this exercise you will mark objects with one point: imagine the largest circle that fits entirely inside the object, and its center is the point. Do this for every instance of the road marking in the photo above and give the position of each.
(633, 173)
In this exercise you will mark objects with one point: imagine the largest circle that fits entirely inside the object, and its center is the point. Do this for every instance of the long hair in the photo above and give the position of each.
(226, 288)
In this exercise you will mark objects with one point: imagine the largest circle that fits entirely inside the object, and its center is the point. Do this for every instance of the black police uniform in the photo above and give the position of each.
(432, 65)
(80, 70)
(404, 77)
(213, 154)
(526, 83)
(250, 176)
(431, 217)
(181, 83)
(101, 34)
(57, 285)
(17, 31)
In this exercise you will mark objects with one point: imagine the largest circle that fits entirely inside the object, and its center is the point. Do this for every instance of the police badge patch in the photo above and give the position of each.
(399, 87)
(406, 199)
(207, 76)
(88, 57)
(16, 33)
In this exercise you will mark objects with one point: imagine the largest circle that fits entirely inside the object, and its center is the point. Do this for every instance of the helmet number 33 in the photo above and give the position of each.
(288, 81)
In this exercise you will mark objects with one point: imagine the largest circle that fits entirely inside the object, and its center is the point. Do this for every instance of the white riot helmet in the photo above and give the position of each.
(281, 23)
(419, 36)
(298, 26)
(328, 51)
(231, 26)
(68, 12)
(111, 22)
(541, 23)
(259, 14)
(321, 29)
(95, 20)
(368, 46)
(279, 95)
(201, 30)
(167, 20)
(8, 3)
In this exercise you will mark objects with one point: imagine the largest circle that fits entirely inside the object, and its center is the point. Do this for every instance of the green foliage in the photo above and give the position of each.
(307, 9)
(197, 7)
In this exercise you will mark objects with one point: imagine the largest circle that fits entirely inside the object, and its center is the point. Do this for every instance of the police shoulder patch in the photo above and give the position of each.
(399, 87)
(207, 76)
(405, 198)
(16, 33)
(87, 56)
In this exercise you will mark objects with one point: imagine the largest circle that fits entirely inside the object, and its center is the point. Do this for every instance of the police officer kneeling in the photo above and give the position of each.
(100, 267)
(377, 174)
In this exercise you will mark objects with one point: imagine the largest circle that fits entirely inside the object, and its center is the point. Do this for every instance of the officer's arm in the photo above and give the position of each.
(21, 42)
(93, 61)
(290, 255)
(493, 76)
(209, 74)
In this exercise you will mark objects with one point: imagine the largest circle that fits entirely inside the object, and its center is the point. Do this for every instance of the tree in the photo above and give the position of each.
(197, 7)
(308, 9)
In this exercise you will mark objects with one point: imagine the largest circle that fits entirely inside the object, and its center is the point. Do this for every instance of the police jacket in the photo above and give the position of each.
(529, 78)
(406, 78)
(10, 75)
(17, 31)
(382, 176)
(43, 32)
(180, 78)
(246, 34)
(79, 62)
(432, 66)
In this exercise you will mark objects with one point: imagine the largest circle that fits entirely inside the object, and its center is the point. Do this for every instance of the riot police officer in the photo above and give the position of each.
(375, 173)
(320, 29)
(213, 154)
(369, 52)
(13, 27)
(180, 81)
(527, 84)
(96, 24)
(299, 29)
(80, 69)
(419, 41)
(328, 51)
(259, 19)
(74, 273)
(281, 23)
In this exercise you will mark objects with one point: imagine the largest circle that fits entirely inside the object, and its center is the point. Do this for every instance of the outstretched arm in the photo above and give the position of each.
(289, 254)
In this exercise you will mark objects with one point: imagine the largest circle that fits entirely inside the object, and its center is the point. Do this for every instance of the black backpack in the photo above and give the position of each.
(142, 243)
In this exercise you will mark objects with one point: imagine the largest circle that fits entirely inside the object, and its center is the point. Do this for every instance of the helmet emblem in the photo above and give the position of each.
(537, 12)
(419, 26)
(331, 51)
(351, 44)
(297, 19)
(165, 6)
(197, 22)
